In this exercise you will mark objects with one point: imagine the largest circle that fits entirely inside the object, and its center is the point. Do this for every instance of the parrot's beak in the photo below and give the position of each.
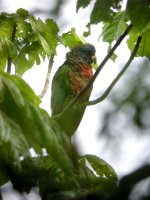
(94, 59)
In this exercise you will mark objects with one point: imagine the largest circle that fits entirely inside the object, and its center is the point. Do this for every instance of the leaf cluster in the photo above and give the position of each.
(114, 19)
(62, 170)
(26, 40)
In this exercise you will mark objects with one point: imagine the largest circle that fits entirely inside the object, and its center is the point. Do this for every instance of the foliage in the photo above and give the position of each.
(22, 128)
(115, 19)
(25, 41)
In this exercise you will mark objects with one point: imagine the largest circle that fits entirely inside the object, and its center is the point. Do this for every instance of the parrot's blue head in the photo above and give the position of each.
(84, 53)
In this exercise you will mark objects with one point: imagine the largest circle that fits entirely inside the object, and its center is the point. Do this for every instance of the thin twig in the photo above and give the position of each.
(9, 61)
(90, 83)
(46, 85)
(106, 93)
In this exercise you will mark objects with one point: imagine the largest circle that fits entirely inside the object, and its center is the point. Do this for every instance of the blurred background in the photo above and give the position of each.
(118, 129)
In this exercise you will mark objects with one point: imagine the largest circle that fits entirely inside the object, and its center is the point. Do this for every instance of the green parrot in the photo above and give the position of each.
(68, 81)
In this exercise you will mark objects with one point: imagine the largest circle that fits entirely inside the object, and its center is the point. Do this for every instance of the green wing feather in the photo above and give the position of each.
(61, 92)
(61, 96)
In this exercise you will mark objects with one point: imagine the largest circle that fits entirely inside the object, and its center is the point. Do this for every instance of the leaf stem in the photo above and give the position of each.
(46, 85)
(90, 83)
(9, 61)
(106, 93)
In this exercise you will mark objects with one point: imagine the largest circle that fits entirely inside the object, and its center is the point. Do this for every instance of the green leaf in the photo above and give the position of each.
(22, 12)
(47, 33)
(104, 185)
(34, 51)
(20, 103)
(52, 26)
(113, 57)
(23, 63)
(144, 49)
(94, 66)
(139, 13)
(38, 30)
(6, 25)
(12, 141)
(11, 48)
(3, 55)
(88, 32)
(13, 90)
(25, 90)
(41, 171)
(82, 4)
(23, 29)
(104, 11)
(112, 30)
(71, 39)
(7, 48)
(45, 45)
(101, 167)
(27, 57)
(47, 138)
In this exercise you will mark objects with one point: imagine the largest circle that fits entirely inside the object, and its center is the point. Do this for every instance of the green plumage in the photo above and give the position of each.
(70, 78)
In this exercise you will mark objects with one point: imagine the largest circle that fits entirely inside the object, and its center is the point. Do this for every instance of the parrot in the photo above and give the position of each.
(70, 78)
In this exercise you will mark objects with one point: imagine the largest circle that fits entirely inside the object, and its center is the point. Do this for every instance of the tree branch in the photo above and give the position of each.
(127, 183)
(9, 61)
(106, 93)
(90, 83)
(46, 85)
